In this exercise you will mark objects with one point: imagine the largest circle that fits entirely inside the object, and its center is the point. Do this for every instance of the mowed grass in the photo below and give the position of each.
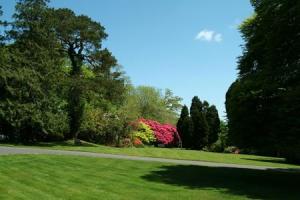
(172, 153)
(69, 177)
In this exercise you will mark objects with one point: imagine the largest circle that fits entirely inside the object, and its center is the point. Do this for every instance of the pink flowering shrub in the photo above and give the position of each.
(164, 133)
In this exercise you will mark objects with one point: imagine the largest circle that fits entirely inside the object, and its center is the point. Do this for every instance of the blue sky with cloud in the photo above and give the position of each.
(189, 46)
(209, 36)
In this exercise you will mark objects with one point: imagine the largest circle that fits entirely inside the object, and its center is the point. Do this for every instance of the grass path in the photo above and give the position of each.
(69, 177)
(239, 159)
(38, 151)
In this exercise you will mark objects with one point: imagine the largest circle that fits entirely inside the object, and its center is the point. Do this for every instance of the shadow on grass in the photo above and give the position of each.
(256, 184)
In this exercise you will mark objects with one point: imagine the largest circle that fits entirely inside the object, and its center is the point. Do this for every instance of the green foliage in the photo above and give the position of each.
(26, 114)
(41, 97)
(213, 122)
(93, 123)
(223, 135)
(200, 127)
(230, 149)
(184, 127)
(31, 101)
(80, 39)
(104, 127)
(58, 82)
(148, 102)
(223, 141)
(172, 102)
(2, 24)
(144, 133)
(263, 104)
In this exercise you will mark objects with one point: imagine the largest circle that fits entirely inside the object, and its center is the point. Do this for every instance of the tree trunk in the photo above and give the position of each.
(76, 102)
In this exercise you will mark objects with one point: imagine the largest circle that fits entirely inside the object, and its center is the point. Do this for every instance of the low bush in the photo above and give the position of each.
(215, 147)
(126, 142)
(138, 143)
(231, 149)
(144, 133)
(164, 133)
(103, 127)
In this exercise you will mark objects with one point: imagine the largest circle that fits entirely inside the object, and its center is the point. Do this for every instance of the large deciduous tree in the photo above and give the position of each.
(172, 102)
(150, 103)
(263, 103)
(81, 40)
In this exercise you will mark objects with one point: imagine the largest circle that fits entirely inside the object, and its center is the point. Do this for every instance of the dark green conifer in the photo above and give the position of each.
(200, 127)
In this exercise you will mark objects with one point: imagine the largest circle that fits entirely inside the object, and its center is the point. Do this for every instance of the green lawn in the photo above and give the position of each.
(68, 177)
(175, 154)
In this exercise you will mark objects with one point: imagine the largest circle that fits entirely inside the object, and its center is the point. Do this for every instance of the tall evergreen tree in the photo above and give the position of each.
(205, 107)
(30, 74)
(213, 121)
(184, 127)
(200, 127)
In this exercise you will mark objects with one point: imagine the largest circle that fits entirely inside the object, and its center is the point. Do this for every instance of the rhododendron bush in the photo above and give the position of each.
(163, 133)
(144, 133)
(137, 142)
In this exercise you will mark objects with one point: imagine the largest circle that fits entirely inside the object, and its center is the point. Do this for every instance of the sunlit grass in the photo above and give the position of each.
(174, 154)
(71, 177)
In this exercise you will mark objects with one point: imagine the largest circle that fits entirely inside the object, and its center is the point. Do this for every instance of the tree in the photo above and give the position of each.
(223, 135)
(52, 65)
(262, 103)
(81, 39)
(246, 118)
(36, 82)
(200, 127)
(205, 107)
(172, 102)
(149, 103)
(213, 121)
(2, 24)
(30, 71)
(184, 127)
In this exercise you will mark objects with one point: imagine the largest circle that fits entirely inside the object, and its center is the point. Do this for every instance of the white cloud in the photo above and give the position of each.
(209, 36)
(205, 35)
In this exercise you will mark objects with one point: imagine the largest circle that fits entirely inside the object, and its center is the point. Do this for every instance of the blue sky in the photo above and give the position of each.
(188, 46)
